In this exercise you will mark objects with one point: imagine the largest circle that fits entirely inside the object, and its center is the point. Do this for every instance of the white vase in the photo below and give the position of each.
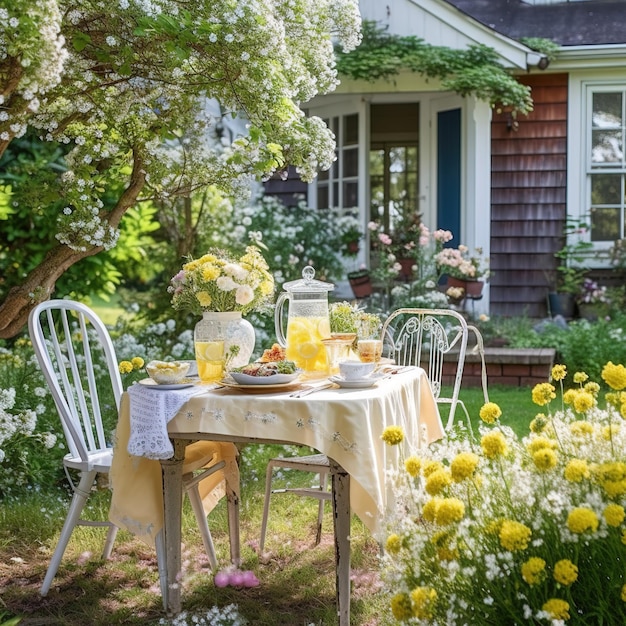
(222, 339)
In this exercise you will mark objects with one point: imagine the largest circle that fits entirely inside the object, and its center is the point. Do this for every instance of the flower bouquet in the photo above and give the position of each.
(459, 263)
(220, 282)
(516, 531)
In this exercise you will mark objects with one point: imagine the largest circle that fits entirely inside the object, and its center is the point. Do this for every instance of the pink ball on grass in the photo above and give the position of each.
(222, 579)
(250, 580)
(236, 579)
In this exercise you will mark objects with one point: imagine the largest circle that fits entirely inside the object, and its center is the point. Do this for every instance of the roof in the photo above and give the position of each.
(582, 23)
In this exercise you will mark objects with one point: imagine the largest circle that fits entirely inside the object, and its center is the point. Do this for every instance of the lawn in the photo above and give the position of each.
(296, 578)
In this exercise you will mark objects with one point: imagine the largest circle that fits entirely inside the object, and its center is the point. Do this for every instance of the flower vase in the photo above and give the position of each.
(222, 340)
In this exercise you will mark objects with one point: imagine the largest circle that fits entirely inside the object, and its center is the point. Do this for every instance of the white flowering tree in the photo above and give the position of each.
(122, 85)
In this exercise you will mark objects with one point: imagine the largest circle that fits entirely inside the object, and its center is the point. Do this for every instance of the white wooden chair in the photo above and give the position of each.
(70, 341)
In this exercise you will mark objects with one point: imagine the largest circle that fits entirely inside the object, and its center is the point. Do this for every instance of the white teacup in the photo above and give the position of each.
(353, 370)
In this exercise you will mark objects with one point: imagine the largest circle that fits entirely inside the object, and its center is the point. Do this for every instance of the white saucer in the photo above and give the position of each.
(357, 383)
(165, 387)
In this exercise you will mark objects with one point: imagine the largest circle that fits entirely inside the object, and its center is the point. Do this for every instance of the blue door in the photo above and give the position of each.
(449, 173)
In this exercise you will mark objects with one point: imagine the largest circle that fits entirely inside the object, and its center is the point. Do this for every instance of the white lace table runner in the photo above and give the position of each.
(150, 411)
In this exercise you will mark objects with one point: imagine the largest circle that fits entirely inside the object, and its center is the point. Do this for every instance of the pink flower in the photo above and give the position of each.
(385, 239)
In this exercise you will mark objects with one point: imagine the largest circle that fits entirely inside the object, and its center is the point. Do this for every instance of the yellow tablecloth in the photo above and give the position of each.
(137, 498)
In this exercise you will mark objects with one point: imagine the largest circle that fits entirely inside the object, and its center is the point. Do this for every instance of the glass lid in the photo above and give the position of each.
(308, 284)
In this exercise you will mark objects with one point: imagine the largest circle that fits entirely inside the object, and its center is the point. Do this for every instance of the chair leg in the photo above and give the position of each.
(320, 510)
(196, 504)
(110, 540)
(81, 493)
(266, 505)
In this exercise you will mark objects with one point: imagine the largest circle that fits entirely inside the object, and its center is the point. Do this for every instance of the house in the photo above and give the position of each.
(505, 184)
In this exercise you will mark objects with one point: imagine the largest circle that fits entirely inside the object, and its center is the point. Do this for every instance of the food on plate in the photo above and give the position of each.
(275, 353)
(167, 372)
(267, 369)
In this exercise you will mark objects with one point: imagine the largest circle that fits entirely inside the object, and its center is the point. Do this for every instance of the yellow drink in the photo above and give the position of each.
(305, 347)
(210, 359)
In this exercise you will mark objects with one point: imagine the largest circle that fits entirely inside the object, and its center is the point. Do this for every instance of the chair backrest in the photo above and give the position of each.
(427, 338)
(71, 343)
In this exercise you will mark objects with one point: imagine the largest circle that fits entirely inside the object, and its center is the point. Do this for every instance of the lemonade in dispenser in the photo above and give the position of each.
(307, 323)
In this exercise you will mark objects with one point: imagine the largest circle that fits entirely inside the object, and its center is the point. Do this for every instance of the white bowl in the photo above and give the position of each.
(353, 370)
(274, 379)
(167, 372)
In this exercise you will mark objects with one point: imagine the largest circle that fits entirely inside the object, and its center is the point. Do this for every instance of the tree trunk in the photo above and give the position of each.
(40, 282)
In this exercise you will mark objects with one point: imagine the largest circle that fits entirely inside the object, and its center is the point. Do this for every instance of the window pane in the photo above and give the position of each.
(607, 110)
(322, 196)
(350, 195)
(606, 189)
(351, 162)
(605, 224)
(606, 146)
(351, 130)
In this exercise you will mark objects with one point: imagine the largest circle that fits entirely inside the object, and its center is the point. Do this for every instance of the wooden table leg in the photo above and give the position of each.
(340, 481)
(172, 513)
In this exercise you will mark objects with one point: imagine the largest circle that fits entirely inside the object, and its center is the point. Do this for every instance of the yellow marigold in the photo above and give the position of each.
(430, 467)
(545, 459)
(558, 609)
(125, 367)
(593, 388)
(565, 572)
(576, 470)
(393, 435)
(449, 511)
(463, 466)
(583, 402)
(423, 600)
(570, 396)
(580, 377)
(412, 466)
(401, 607)
(543, 393)
(514, 535)
(623, 595)
(137, 362)
(581, 428)
(538, 423)
(393, 544)
(539, 443)
(429, 511)
(438, 481)
(614, 375)
(490, 412)
(559, 372)
(210, 272)
(581, 520)
(204, 298)
(533, 570)
(614, 514)
(494, 444)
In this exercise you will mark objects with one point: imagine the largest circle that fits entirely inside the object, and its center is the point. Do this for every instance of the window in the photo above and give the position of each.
(606, 164)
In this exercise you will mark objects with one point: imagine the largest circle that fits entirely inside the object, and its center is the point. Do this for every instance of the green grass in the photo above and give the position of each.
(297, 579)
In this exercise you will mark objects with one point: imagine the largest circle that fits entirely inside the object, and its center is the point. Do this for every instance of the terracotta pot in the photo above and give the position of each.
(407, 268)
(361, 285)
(473, 288)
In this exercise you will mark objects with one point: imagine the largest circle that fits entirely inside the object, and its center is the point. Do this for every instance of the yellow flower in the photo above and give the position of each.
(558, 609)
(423, 600)
(614, 514)
(494, 444)
(539, 443)
(401, 607)
(204, 298)
(125, 367)
(412, 466)
(438, 481)
(614, 375)
(429, 511)
(449, 511)
(583, 401)
(539, 423)
(623, 594)
(624, 537)
(137, 362)
(565, 572)
(393, 435)
(430, 467)
(514, 535)
(393, 544)
(533, 570)
(559, 372)
(463, 466)
(569, 396)
(543, 393)
(545, 459)
(608, 432)
(580, 377)
(592, 388)
(576, 470)
(580, 428)
(490, 412)
(581, 520)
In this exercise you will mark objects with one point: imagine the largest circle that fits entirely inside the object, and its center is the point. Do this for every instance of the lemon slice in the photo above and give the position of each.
(308, 350)
(211, 350)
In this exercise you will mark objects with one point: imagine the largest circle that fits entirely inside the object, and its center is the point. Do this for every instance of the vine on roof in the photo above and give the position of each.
(473, 71)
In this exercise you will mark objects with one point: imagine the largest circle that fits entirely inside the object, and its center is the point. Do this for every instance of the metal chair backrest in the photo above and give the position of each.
(427, 338)
(70, 342)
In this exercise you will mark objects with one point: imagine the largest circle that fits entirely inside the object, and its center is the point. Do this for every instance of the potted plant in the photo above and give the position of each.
(592, 300)
(351, 233)
(361, 282)
(463, 269)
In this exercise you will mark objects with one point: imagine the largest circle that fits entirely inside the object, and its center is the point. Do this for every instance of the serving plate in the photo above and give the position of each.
(264, 388)
(185, 382)
(357, 383)
(257, 381)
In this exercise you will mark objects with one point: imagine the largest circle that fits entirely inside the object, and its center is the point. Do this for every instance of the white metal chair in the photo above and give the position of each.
(70, 341)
